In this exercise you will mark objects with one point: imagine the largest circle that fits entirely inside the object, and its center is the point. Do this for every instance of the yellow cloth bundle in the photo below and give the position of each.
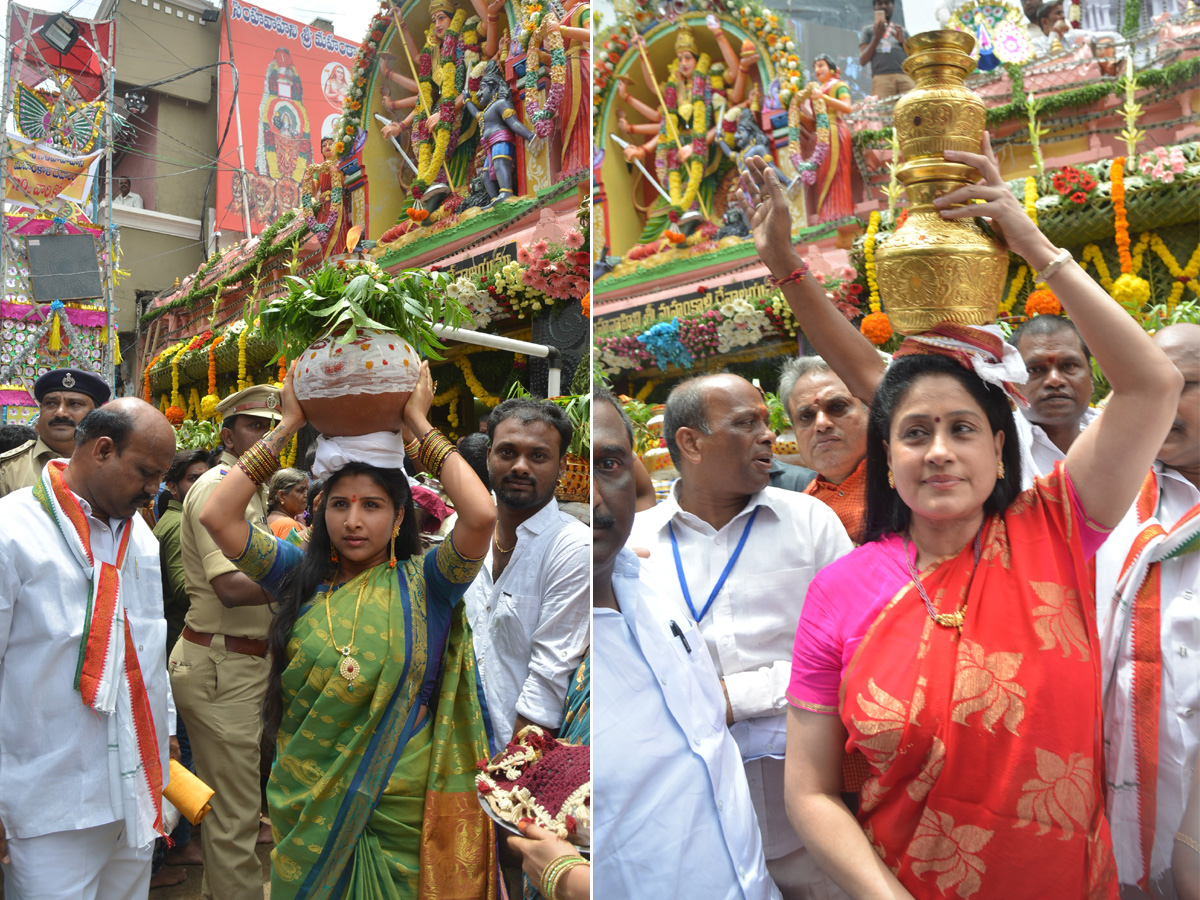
(188, 794)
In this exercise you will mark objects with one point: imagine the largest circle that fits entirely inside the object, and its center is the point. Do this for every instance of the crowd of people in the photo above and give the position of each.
(343, 674)
(954, 656)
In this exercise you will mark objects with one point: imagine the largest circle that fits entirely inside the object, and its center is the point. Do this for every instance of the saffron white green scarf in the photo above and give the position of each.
(107, 675)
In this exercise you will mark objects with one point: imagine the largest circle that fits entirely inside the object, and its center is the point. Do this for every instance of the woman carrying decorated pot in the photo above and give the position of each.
(372, 792)
(954, 654)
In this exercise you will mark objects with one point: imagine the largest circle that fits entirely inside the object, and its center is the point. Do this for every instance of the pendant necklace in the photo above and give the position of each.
(952, 619)
(348, 668)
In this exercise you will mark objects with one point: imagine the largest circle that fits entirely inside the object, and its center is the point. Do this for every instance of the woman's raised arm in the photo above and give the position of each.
(1110, 459)
(224, 513)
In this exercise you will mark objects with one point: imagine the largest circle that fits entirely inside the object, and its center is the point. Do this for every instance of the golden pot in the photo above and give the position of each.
(933, 269)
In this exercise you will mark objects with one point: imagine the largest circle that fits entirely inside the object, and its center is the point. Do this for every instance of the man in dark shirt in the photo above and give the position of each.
(882, 46)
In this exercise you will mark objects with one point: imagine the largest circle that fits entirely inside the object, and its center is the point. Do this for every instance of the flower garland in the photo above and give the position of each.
(808, 167)
(1129, 290)
(287, 459)
(693, 115)
(364, 60)
(1014, 289)
(337, 181)
(875, 326)
(1092, 254)
(449, 396)
(208, 403)
(1185, 277)
(544, 26)
(242, 382)
(431, 153)
(473, 385)
(175, 413)
(1031, 198)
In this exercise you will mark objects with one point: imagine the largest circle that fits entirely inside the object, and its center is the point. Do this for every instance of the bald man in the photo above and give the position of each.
(80, 789)
(1149, 617)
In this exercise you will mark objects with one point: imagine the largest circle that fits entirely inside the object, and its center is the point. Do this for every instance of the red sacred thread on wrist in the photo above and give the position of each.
(795, 276)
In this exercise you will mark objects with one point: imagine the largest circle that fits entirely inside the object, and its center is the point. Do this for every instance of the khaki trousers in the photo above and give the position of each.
(220, 694)
(891, 85)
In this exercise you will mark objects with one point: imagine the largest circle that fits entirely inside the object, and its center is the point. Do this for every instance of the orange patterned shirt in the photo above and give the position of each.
(848, 499)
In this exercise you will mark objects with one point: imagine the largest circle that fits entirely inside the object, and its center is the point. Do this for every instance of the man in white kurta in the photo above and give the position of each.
(673, 815)
(1172, 496)
(67, 820)
(528, 607)
(736, 556)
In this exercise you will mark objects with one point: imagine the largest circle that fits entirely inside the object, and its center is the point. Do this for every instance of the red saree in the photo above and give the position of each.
(984, 750)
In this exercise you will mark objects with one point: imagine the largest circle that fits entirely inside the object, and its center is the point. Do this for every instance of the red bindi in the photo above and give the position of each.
(354, 498)
(937, 418)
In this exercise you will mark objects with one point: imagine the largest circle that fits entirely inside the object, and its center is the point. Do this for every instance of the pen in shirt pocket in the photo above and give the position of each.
(676, 631)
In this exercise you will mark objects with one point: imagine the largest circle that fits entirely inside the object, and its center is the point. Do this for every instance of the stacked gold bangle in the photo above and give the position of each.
(258, 463)
(412, 448)
(1187, 840)
(432, 451)
(555, 870)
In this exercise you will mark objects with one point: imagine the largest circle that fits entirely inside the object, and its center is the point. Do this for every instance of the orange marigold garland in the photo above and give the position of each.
(208, 403)
(586, 302)
(1042, 302)
(1129, 290)
(175, 412)
(875, 325)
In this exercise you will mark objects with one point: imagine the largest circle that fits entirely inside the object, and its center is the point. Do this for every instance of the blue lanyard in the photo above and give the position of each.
(687, 595)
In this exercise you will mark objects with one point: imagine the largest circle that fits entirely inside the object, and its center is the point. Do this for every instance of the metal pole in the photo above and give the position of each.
(109, 283)
(237, 115)
(481, 339)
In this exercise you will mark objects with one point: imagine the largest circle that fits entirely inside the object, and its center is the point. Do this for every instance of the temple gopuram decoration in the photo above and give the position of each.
(463, 150)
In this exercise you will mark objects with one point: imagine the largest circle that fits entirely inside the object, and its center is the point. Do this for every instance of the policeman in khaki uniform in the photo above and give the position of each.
(64, 397)
(219, 666)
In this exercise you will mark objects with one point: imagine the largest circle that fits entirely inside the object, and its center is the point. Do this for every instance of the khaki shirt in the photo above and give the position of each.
(22, 466)
(203, 561)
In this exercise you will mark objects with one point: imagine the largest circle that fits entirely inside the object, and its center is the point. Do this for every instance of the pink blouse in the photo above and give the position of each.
(838, 612)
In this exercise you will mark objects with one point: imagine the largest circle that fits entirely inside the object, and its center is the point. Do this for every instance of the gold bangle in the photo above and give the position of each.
(1060, 259)
(1187, 840)
(259, 463)
(556, 870)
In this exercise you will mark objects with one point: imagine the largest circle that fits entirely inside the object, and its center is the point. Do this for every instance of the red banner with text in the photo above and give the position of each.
(292, 79)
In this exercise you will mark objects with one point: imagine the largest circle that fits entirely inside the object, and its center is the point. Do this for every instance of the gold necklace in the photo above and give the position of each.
(496, 543)
(348, 668)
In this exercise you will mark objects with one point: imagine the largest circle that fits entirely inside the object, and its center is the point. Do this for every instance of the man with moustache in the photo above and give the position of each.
(831, 434)
(736, 556)
(528, 607)
(84, 703)
(64, 397)
(676, 818)
(1059, 391)
(1148, 599)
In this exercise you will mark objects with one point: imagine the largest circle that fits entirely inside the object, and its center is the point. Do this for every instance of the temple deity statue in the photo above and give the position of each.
(500, 126)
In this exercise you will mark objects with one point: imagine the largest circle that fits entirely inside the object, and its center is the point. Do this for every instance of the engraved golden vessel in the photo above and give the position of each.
(932, 269)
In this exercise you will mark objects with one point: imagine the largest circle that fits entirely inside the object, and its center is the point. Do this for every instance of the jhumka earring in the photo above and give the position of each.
(395, 534)
(1000, 471)
(891, 480)
(333, 556)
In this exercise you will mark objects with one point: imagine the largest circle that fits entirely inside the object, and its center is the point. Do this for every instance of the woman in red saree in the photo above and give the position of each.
(953, 659)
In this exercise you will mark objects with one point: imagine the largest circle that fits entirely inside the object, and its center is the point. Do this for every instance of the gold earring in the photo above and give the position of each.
(1000, 471)
(891, 480)
(395, 534)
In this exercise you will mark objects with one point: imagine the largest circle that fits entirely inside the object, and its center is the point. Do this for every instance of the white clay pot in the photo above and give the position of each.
(358, 387)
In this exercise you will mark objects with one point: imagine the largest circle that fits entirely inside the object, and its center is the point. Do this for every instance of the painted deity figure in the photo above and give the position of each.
(683, 126)
(745, 142)
(322, 200)
(832, 188)
(499, 127)
(452, 45)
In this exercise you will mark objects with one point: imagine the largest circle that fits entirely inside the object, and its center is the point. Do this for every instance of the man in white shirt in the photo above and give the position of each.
(1150, 635)
(736, 557)
(83, 749)
(125, 196)
(674, 816)
(1059, 391)
(529, 607)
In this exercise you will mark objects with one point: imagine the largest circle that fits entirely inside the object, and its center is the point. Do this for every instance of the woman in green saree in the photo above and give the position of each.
(372, 694)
